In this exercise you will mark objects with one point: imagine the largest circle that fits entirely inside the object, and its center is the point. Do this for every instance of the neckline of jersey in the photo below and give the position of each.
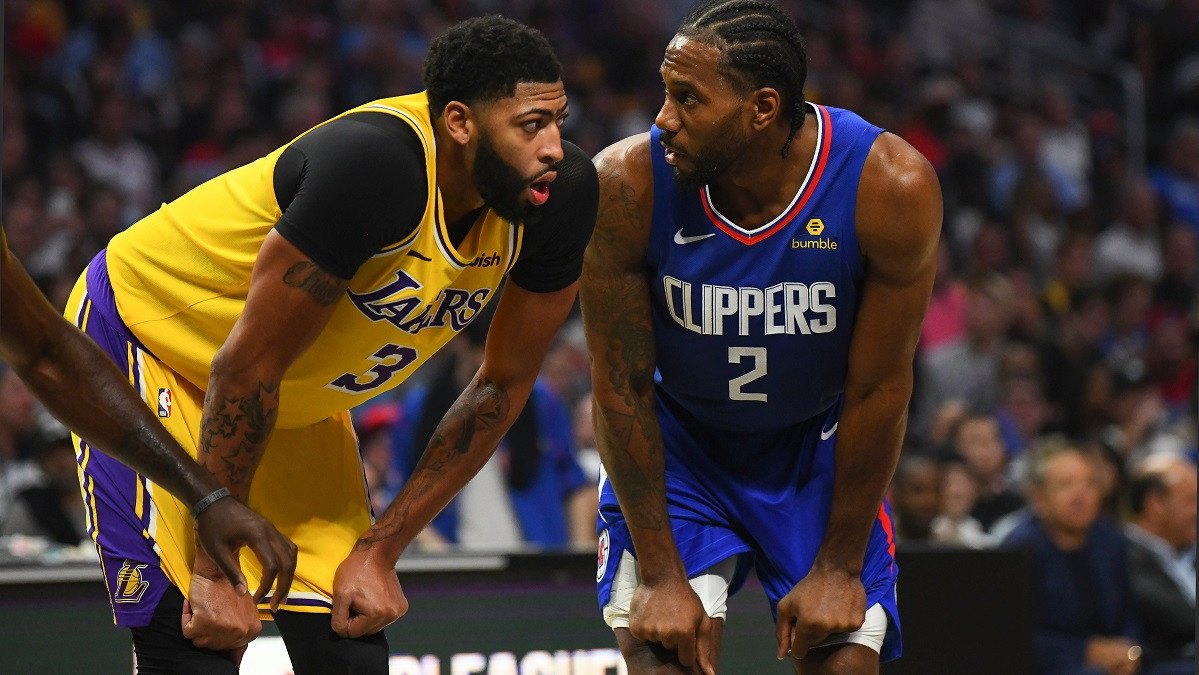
(806, 189)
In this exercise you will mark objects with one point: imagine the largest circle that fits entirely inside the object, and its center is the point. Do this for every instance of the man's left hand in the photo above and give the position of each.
(826, 602)
(366, 595)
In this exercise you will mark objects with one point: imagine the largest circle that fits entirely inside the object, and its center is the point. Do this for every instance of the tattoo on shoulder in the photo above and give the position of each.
(325, 288)
(619, 200)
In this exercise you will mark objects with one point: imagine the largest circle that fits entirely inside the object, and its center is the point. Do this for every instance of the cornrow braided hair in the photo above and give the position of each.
(760, 46)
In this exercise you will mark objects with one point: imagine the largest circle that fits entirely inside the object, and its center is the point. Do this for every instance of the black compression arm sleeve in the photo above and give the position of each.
(557, 233)
(351, 187)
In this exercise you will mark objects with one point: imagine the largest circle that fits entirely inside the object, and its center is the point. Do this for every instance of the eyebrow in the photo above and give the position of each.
(674, 81)
(545, 112)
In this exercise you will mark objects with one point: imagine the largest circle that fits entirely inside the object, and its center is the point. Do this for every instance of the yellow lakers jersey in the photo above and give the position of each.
(181, 275)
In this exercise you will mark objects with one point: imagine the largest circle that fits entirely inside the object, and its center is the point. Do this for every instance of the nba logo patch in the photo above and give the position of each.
(131, 585)
(164, 402)
(605, 547)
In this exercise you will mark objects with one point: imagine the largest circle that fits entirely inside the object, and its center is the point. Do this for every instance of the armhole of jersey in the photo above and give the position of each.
(431, 194)
(516, 239)
(663, 193)
(862, 145)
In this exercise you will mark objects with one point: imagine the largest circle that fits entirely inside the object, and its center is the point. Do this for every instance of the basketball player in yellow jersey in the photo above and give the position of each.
(255, 310)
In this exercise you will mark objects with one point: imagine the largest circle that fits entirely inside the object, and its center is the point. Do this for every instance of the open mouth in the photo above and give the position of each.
(539, 190)
(672, 155)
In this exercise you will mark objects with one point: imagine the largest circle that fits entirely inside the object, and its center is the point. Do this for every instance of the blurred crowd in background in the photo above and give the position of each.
(1056, 376)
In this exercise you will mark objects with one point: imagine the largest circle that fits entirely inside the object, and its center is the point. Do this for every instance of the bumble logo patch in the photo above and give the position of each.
(815, 228)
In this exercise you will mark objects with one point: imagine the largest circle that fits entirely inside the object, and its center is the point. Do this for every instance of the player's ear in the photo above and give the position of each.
(766, 104)
(459, 121)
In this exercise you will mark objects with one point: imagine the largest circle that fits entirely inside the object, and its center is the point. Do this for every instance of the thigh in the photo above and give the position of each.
(310, 485)
(315, 649)
(712, 587)
(160, 648)
(647, 658)
(849, 653)
(841, 659)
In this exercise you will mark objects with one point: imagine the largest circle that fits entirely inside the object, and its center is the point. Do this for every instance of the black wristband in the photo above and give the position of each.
(208, 501)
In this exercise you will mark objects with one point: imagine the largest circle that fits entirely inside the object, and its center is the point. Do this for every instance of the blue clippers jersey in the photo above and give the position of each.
(753, 327)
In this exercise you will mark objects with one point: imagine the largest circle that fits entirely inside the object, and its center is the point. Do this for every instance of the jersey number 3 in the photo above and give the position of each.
(389, 360)
(758, 356)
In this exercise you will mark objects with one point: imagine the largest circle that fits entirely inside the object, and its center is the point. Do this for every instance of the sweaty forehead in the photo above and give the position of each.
(688, 56)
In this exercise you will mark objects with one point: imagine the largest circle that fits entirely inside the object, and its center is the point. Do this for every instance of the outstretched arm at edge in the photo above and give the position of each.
(69, 373)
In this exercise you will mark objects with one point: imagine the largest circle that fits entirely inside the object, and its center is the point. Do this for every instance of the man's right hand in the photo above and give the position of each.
(216, 615)
(669, 613)
(226, 526)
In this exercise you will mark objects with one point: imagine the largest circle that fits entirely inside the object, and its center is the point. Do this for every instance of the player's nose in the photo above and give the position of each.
(551, 151)
(666, 119)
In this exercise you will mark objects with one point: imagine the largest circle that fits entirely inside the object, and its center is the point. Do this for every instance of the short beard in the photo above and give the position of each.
(714, 160)
(500, 184)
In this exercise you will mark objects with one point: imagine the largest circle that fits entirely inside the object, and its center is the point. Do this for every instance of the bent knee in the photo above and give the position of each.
(840, 659)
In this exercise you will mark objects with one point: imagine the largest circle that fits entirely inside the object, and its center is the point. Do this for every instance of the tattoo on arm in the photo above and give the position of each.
(616, 429)
(478, 414)
(235, 430)
(325, 288)
(616, 306)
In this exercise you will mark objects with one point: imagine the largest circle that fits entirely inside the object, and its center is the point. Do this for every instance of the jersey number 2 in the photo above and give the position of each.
(388, 360)
(736, 355)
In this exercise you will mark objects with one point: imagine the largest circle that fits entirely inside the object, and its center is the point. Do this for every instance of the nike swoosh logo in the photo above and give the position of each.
(680, 239)
(826, 434)
(418, 256)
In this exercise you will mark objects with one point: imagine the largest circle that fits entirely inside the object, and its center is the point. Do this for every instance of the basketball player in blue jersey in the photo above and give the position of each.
(72, 377)
(752, 295)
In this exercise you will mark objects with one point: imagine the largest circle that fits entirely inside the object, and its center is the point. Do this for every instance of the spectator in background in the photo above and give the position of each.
(945, 320)
(532, 490)
(1073, 271)
(1132, 245)
(567, 367)
(375, 426)
(978, 442)
(28, 235)
(112, 156)
(916, 497)
(954, 526)
(1111, 475)
(1161, 555)
(1177, 181)
(1037, 224)
(1085, 617)
(1140, 422)
(586, 447)
(1069, 356)
(1026, 159)
(1023, 413)
(1029, 317)
(1066, 144)
(229, 115)
(967, 369)
(52, 506)
(1130, 298)
(1180, 269)
(1171, 362)
(18, 435)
